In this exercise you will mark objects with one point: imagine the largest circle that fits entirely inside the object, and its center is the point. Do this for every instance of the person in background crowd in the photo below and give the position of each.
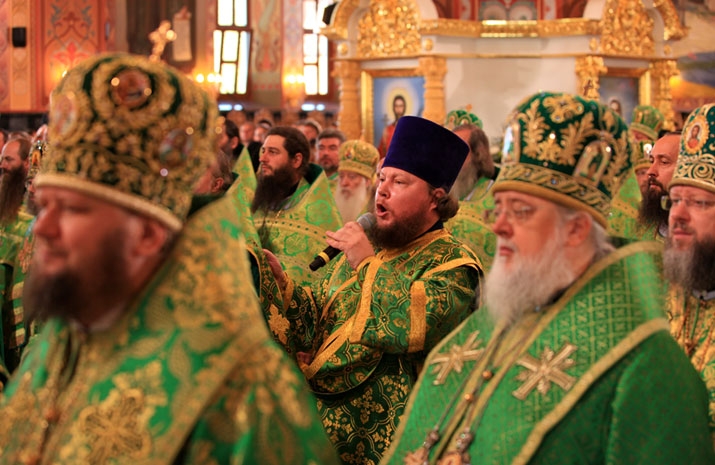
(356, 174)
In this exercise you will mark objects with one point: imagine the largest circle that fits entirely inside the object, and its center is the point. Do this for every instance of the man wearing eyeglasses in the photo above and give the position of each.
(569, 360)
(689, 257)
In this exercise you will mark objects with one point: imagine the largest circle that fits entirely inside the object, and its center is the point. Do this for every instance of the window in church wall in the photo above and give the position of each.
(316, 51)
(232, 47)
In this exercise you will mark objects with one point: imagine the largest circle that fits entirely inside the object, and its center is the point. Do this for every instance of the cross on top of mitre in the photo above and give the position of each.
(159, 38)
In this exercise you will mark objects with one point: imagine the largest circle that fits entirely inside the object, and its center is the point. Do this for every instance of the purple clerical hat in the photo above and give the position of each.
(427, 150)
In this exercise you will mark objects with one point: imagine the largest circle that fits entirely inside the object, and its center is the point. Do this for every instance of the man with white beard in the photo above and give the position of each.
(690, 249)
(571, 363)
(356, 172)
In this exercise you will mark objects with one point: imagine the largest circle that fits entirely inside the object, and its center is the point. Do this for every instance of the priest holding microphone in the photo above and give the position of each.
(361, 333)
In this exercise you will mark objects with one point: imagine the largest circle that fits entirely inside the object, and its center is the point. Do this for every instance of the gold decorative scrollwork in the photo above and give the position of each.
(545, 28)
(626, 29)
(434, 69)
(661, 71)
(348, 75)
(389, 29)
(588, 70)
(674, 29)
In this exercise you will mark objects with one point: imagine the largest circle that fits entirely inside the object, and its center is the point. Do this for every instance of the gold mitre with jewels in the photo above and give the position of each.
(359, 157)
(130, 131)
(462, 116)
(696, 160)
(567, 149)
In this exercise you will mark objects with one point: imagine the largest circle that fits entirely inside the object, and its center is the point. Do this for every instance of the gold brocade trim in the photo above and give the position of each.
(288, 292)
(363, 310)
(542, 428)
(452, 264)
(17, 290)
(107, 193)
(418, 317)
(550, 194)
(625, 207)
(701, 184)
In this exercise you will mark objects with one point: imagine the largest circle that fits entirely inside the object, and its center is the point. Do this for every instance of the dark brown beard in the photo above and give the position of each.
(692, 269)
(650, 212)
(398, 235)
(12, 192)
(272, 190)
(66, 294)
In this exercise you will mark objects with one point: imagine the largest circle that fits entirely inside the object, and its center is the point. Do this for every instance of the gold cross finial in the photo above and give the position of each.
(159, 38)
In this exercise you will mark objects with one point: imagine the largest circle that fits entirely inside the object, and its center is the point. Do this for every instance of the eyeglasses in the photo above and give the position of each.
(517, 214)
(667, 202)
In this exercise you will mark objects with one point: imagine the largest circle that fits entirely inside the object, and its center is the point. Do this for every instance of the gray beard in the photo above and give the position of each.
(532, 283)
(351, 206)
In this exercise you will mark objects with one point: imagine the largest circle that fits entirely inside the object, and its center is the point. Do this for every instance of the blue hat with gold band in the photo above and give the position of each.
(130, 131)
(427, 150)
(567, 149)
(696, 160)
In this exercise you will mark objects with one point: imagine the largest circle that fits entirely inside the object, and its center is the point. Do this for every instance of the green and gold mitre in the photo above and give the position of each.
(131, 131)
(696, 160)
(459, 117)
(359, 157)
(646, 123)
(567, 149)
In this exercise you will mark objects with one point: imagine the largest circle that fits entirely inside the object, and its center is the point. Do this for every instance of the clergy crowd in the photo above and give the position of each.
(181, 289)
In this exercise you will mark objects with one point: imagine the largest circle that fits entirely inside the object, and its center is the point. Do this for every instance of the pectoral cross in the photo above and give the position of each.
(541, 373)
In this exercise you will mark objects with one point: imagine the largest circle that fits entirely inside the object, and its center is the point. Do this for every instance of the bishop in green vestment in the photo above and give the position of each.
(690, 248)
(362, 332)
(569, 360)
(154, 349)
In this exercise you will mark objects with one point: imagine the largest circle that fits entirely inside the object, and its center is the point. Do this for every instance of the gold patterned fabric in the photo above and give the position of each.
(692, 324)
(296, 232)
(468, 224)
(189, 374)
(366, 334)
(589, 379)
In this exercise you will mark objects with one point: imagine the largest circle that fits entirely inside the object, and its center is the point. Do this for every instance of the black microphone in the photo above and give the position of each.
(366, 221)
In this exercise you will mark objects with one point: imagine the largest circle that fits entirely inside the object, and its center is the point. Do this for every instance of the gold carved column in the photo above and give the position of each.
(434, 69)
(348, 74)
(660, 73)
(588, 70)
